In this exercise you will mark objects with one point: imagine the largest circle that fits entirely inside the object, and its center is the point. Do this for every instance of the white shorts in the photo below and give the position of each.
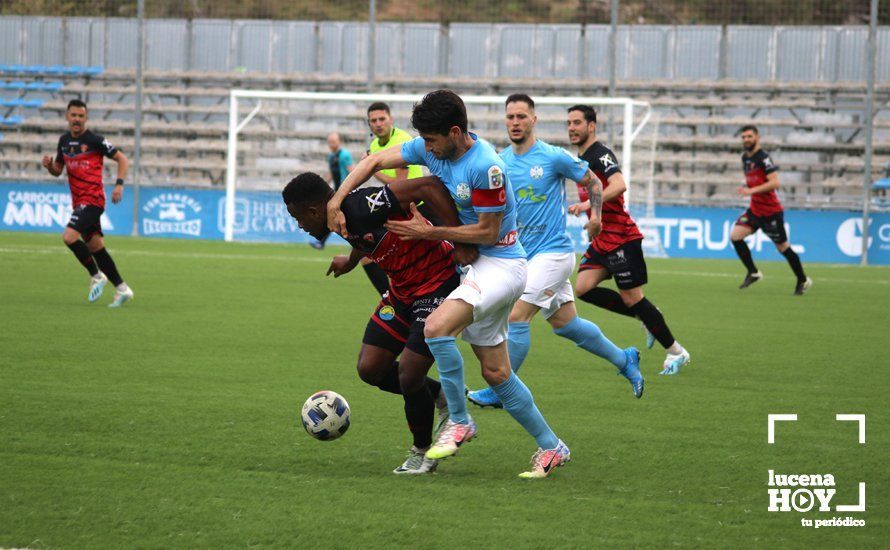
(549, 286)
(491, 286)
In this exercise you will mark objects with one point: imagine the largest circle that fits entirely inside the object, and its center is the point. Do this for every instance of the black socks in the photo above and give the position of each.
(794, 262)
(606, 299)
(654, 321)
(106, 264)
(741, 248)
(82, 253)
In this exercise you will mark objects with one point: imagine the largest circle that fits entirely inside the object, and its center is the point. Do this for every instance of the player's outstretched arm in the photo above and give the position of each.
(381, 160)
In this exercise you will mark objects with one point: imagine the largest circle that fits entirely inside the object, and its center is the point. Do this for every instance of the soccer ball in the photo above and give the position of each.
(325, 415)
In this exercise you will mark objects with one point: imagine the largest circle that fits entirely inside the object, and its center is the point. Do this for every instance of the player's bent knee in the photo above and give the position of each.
(368, 372)
(496, 376)
(631, 297)
(70, 237)
(435, 326)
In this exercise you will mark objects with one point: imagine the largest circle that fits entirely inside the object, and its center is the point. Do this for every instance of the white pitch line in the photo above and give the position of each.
(282, 258)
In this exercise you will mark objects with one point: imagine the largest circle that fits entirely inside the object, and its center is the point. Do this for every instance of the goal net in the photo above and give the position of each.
(275, 135)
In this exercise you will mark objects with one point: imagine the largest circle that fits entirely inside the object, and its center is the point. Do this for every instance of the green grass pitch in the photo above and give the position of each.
(174, 421)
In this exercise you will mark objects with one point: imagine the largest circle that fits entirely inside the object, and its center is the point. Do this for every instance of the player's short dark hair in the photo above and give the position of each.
(75, 103)
(378, 106)
(306, 189)
(586, 110)
(748, 128)
(438, 111)
(513, 98)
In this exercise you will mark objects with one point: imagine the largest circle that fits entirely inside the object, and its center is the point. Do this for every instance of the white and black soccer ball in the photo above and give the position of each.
(325, 415)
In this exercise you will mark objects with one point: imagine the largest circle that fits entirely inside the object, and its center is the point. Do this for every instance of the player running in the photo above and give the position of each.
(81, 153)
(765, 212)
(617, 251)
(394, 356)
(537, 171)
(475, 176)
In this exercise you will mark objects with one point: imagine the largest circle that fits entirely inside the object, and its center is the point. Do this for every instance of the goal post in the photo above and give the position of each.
(289, 120)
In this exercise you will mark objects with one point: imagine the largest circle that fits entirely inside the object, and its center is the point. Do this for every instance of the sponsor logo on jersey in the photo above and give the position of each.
(495, 177)
(607, 161)
(508, 239)
(536, 172)
(386, 313)
(84, 148)
(377, 200)
(462, 191)
(528, 193)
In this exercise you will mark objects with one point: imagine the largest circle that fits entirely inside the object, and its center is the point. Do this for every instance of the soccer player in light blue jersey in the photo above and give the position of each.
(479, 308)
(537, 171)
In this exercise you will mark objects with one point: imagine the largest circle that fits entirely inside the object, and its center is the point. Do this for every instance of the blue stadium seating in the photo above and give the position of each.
(55, 70)
(36, 86)
(11, 121)
(22, 102)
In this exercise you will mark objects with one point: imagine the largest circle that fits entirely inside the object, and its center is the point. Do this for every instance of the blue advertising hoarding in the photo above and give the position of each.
(675, 231)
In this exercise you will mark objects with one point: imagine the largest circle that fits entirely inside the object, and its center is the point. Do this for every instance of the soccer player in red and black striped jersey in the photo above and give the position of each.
(81, 153)
(617, 251)
(394, 355)
(765, 211)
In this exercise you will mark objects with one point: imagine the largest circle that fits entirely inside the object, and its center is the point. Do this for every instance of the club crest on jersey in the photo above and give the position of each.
(607, 161)
(387, 313)
(536, 172)
(376, 200)
(495, 177)
(462, 191)
(84, 148)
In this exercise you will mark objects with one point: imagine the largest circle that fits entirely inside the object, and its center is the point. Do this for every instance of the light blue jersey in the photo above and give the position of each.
(538, 182)
(478, 183)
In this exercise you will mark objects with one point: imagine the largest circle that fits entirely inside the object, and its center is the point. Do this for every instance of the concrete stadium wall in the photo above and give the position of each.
(824, 54)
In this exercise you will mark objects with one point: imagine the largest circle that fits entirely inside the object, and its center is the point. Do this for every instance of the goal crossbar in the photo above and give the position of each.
(630, 129)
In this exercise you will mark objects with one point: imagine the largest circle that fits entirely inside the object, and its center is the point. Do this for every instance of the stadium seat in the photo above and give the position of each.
(21, 102)
(11, 120)
(34, 69)
(14, 69)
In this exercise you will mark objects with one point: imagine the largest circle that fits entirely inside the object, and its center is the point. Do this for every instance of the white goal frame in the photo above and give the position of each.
(235, 125)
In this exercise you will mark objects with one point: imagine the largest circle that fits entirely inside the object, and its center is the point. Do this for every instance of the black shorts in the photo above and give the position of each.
(772, 226)
(396, 325)
(626, 264)
(86, 220)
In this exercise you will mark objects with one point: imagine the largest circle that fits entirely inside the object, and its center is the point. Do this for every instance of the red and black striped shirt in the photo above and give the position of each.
(83, 157)
(415, 268)
(618, 226)
(757, 167)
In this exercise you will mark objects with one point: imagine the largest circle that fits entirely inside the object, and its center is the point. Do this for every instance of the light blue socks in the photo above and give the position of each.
(589, 337)
(518, 343)
(518, 401)
(451, 375)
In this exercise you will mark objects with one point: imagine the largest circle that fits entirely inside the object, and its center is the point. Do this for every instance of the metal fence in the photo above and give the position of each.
(812, 53)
